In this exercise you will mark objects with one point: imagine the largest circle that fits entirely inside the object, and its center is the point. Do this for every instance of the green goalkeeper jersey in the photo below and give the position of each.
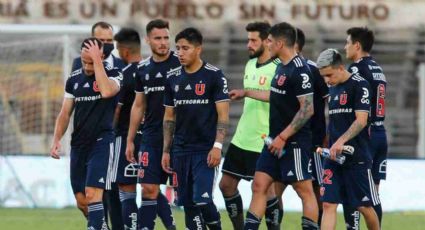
(255, 116)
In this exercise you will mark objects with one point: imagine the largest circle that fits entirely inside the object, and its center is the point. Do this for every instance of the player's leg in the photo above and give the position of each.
(317, 174)
(279, 188)
(267, 170)
(204, 179)
(80, 198)
(351, 217)
(78, 173)
(379, 148)
(99, 177)
(361, 193)
(234, 169)
(112, 197)
(329, 216)
(295, 171)
(126, 177)
(272, 213)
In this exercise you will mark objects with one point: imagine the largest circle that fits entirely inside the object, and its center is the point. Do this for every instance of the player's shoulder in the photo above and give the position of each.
(210, 68)
(357, 79)
(311, 63)
(299, 62)
(174, 72)
(276, 61)
(76, 72)
(143, 63)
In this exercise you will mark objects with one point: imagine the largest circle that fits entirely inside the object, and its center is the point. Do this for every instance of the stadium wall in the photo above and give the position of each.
(30, 181)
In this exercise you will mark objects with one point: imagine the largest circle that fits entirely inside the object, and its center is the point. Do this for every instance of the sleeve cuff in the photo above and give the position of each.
(68, 95)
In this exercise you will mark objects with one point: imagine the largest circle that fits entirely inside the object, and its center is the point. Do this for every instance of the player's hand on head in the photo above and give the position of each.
(237, 94)
(129, 153)
(165, 163)
(93, 50)
(277, 145)
(214, 157)
(54, 151)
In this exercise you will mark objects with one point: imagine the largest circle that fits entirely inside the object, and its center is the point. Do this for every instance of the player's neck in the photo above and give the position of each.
(157, 58)
(135, 58)
(286, 56)
(195, 66)
(264, 57)
(345, 77)
(360, 55)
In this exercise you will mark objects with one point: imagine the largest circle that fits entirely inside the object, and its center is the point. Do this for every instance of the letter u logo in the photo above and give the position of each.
(200, 89)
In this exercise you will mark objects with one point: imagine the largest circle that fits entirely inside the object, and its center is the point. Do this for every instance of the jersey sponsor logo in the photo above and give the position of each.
(225, 90)
(191, 102)
(200, 89)
(262, 80)
(343, 99)
(281, 80)
(95, 86)
(340, 110)
(153, 89)
(305, 83)
(365, 96)
(88, 98)
(354, 69)
(279, 91)
(379, 77)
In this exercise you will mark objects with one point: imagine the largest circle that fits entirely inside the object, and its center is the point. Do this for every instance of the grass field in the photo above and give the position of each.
(71, 219)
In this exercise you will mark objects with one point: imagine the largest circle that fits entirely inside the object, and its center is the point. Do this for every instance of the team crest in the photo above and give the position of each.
(343, 99)
(200, 89)
(281, 80)
(75, 86)
(95, 87)
(176, 88)
(147, 77)
(262, 80)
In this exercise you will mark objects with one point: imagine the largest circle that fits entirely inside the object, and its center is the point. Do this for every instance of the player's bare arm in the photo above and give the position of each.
(108, 87)
(301, 117)
(116, 115)
(356, 127)
(136, 116)
(214, 156)
(169, 125)
(61, 125)
(261, 95)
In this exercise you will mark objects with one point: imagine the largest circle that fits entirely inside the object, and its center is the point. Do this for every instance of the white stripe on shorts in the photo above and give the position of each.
(110, 162)
(298, 167)
(373, 192)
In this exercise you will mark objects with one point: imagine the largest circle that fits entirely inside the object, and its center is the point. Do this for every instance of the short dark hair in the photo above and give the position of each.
(300, 39)
(101, 24)
(93, 39)
(192, 35)
(128, 36)
(261, 27)
(157, 23)
(329, 57)
(362, 35)
(286, 31)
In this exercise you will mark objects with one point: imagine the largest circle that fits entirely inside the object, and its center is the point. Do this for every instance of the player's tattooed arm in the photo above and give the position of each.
(301, 117)
(222, 120)
(356, 127)
(169, 125)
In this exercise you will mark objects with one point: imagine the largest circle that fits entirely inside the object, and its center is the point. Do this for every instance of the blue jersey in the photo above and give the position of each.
(93, 114)
(194, 97)
(344, 100)
(150, 80)
(372, 72)
(126, 98)
(290, 82)
(321, 91)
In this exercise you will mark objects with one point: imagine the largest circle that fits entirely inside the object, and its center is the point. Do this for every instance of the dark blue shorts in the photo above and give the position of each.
(90, 166)
(194, 181)
(290, 168)
(150, 165)
(379, 149)
(316, 168)
(351, 185)
(124, 171)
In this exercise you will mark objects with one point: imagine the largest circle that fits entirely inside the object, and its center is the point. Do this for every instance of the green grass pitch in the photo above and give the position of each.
(71, 219)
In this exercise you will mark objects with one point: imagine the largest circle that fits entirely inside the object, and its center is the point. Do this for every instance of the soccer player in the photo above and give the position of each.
(150, 80)
(128, 45)
(246, 145)
(317, 122)
(90, 92)
(291, 106)
(195, 124)
(349, 105)
(104, 32)
(359, 44)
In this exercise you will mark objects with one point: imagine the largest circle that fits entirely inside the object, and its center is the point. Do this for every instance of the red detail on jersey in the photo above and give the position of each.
(343, 99)
(262, 80)
(144, 159)
(95, 87)
(141, 173)
(327, 175)
(200, 89)
(380, 104)
(281, 80)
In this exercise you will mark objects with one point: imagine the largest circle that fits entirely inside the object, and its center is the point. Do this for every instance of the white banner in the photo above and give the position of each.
(44, 182)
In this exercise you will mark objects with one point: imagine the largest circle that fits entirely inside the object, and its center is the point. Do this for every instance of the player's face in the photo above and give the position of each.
(104, 35)
(255, 44)
(332, 75)
(274, 45)
(159, 41)
(87, 63)
(123, 51)
(350, 48)
(187, 52)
